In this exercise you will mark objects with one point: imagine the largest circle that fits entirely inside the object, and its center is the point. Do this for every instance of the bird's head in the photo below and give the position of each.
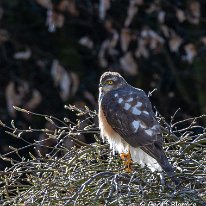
(111, 81)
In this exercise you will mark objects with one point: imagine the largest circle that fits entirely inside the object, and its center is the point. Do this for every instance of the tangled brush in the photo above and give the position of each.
(90, 174)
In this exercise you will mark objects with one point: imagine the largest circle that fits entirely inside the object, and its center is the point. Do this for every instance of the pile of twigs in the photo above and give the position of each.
(93, 175)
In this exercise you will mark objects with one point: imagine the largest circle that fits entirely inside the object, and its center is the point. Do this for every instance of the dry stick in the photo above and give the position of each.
(80, 190)
(60, 166)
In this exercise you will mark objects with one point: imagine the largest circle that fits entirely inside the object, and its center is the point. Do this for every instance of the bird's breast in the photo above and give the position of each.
(116, 142)
(105, 129)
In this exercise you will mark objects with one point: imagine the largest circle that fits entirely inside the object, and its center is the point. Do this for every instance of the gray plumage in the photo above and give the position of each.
(128, 122)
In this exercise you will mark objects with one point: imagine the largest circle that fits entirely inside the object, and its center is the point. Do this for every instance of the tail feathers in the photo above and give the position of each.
(155, 150)
(167, 167)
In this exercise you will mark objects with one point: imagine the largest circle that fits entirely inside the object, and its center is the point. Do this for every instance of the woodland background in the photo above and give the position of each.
(52, 53)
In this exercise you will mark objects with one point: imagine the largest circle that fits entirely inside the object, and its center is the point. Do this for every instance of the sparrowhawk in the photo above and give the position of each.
(127, 121)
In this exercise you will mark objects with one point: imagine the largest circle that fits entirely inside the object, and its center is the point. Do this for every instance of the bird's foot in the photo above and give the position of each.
(126, 157)
(128, 169)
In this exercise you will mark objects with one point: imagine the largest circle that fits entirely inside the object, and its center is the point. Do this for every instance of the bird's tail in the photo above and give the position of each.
(156, 151)
(167, 167)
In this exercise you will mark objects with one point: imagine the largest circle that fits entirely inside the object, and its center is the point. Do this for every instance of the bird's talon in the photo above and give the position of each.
(127, 161)
(128, 169)
(123, 156)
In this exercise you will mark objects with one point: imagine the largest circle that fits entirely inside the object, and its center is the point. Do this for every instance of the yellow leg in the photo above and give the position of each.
(126, 157)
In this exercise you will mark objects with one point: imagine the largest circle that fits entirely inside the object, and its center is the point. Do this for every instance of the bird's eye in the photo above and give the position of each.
(110, 82)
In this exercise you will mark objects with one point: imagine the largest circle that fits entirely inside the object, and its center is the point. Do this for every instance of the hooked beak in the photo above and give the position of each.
(100, 85)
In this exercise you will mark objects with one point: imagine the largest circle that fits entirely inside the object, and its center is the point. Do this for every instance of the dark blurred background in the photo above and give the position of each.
(52, 53)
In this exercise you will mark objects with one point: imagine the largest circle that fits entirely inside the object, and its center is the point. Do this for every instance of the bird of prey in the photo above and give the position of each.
(127, 121)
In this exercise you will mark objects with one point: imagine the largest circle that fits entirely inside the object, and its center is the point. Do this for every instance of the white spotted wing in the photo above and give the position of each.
(129, 112)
